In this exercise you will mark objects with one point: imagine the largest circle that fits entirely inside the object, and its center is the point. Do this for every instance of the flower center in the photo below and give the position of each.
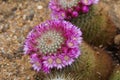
(70, 44)
(68, 3)
(50, 41)
(37, 64)
(66, 58)
(58, 61)
(50, 60)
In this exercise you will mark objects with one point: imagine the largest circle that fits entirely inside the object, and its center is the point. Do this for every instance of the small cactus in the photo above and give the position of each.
(53, 44)
(89, 66)
(96, 26)
(116, 74)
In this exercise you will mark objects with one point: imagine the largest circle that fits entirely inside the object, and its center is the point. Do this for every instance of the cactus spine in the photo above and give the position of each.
(89, 66)
(96, 26)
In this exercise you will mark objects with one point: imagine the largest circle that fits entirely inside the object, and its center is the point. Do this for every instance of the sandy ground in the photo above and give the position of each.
(17, 18)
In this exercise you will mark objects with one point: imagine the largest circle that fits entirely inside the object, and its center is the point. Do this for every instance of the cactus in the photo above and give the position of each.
(89, 66)
(96, 26)
(116, 74)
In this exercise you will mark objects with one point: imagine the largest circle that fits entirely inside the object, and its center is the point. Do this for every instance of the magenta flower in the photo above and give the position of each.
(67, 9)
(67, 59)
(49, 61)
(87, 2)
(61, 15)
(59, 62)
(85, 9)
(36, 62)
(53, 44)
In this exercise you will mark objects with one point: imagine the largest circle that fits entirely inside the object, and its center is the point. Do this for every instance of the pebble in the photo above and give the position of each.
(30, 16)
(117, 39)
(39, 7)
(5, 28)
(17, 18)
(14, 9)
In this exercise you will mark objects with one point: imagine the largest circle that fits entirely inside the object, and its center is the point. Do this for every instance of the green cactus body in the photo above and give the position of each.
(89, 66)
(83, 68)
(116, 74)
(96, 26)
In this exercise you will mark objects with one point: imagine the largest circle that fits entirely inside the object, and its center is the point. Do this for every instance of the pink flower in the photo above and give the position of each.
(49, 61)
(53, 44)
(59, 62)
(58, 15)
(67, 59)
(85, 9)
(68, 9)
(71, 43)
(36, 62)
(46, 69)
(87, 2)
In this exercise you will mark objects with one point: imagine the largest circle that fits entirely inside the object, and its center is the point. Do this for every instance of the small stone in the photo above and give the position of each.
(5, 28)
(24, 17)
(14, 9)
(28, 78)
(117, 40)
(4, 0)
(31, 15)
(118, 64)
(98, 53)
(39, 7)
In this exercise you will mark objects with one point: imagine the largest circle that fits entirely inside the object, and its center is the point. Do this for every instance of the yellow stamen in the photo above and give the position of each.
(63, 14)
(70, 44)
(50, 60)
(58, 61)
(48, 41)
(66, 58)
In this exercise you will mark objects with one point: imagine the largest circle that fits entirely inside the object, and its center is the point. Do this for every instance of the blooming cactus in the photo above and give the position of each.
(67, 9)
(53, 44)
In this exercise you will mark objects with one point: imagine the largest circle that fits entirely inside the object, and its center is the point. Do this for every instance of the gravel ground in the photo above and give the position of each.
(17, 18)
